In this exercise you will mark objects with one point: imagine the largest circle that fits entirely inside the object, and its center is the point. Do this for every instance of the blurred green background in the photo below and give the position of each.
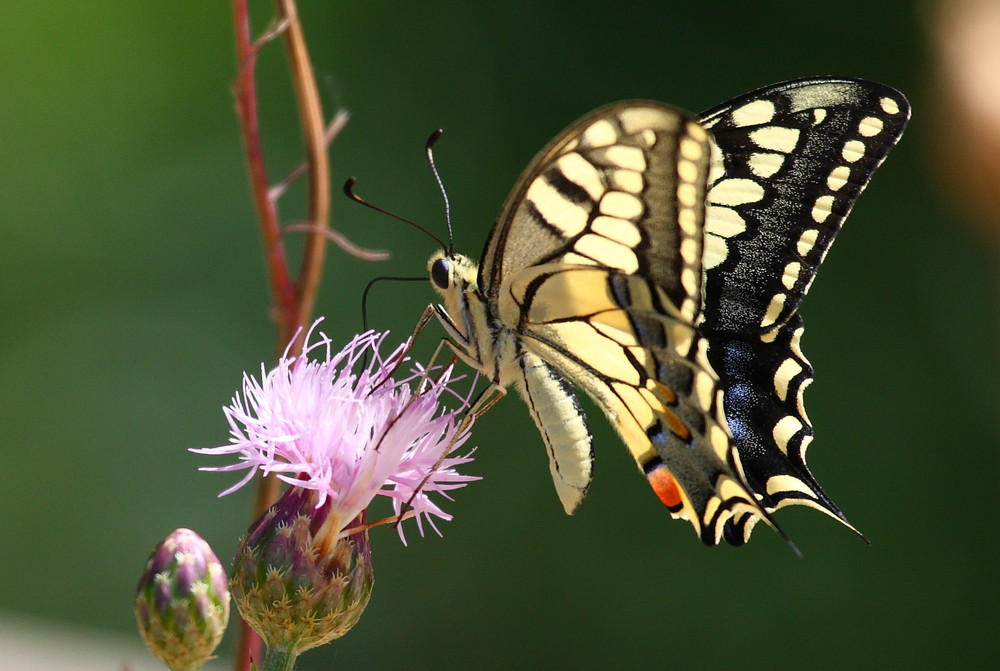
(133, 296)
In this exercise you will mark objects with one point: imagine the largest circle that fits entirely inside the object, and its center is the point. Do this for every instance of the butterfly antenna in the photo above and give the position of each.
(437, 178)
(349, 191)
(364, 303)
(364, 295)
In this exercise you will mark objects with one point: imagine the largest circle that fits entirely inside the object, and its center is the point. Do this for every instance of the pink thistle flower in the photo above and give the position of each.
(349, 436)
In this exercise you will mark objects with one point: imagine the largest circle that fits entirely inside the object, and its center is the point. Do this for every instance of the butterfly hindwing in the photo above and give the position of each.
(763, 385)
(611, 297)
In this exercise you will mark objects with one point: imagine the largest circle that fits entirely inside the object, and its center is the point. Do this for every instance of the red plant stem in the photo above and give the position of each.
(249, 645)
(282, 287)
(293, 301)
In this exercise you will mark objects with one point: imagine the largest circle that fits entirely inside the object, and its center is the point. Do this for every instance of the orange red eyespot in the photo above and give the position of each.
(666, 489)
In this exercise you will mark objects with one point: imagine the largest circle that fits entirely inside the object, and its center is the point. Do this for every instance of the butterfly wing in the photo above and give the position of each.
(596, 266)
(790, 161)
(660, 268)
(597, 163)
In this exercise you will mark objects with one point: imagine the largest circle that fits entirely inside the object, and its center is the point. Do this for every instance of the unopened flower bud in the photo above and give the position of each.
(181, 602)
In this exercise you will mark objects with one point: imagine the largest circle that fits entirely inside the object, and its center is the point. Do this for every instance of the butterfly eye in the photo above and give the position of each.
(441, 274)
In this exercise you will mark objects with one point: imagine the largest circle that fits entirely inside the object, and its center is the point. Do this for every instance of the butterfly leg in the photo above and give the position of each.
(476, 406)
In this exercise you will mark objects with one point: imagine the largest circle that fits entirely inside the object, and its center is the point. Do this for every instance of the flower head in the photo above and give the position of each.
(181, 602)
(349, 436)
(291, 584)
(302, 575)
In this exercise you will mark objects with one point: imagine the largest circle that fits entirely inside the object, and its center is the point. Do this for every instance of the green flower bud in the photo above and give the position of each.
(298, 581)
(181, 602)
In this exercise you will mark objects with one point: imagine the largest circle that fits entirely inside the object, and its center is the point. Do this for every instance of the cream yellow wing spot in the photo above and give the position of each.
(766, 164)
(620, 204)
(620, 156)
(704, 387)
(735, 191)
(620, 230)
(785, 430)
(720, 442)
(870, 126)
(785, 373)
(629, 181)
(691, 151)
(800, 405)
(774, 309)
(725, 222)
(601, 133)
(557, 209)
(807, 240)
(838, 177)
(608, 252)
(776, 138)
(853, 151)
(582, 173)
(790, 275)
(715, 252)
(754, 113)
(795, 343)
(680, 337)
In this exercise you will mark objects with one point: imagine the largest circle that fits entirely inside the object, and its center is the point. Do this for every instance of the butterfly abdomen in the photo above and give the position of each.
(563, 426)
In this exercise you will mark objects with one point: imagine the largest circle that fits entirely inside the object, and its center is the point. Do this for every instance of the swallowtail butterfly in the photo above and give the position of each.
(656, 260)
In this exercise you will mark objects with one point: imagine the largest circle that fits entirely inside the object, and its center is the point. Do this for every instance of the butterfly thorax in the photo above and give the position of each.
(489, 346)
(487, 339)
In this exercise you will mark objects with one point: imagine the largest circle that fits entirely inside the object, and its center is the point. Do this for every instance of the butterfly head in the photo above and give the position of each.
(453, 275)
(456, 278)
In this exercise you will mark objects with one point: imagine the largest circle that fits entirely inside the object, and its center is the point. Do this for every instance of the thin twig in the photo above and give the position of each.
(249, 645)
(338, 123)
(339, 239)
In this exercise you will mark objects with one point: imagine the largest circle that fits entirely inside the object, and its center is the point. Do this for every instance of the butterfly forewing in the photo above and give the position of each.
(791, 159)
(579, 200)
